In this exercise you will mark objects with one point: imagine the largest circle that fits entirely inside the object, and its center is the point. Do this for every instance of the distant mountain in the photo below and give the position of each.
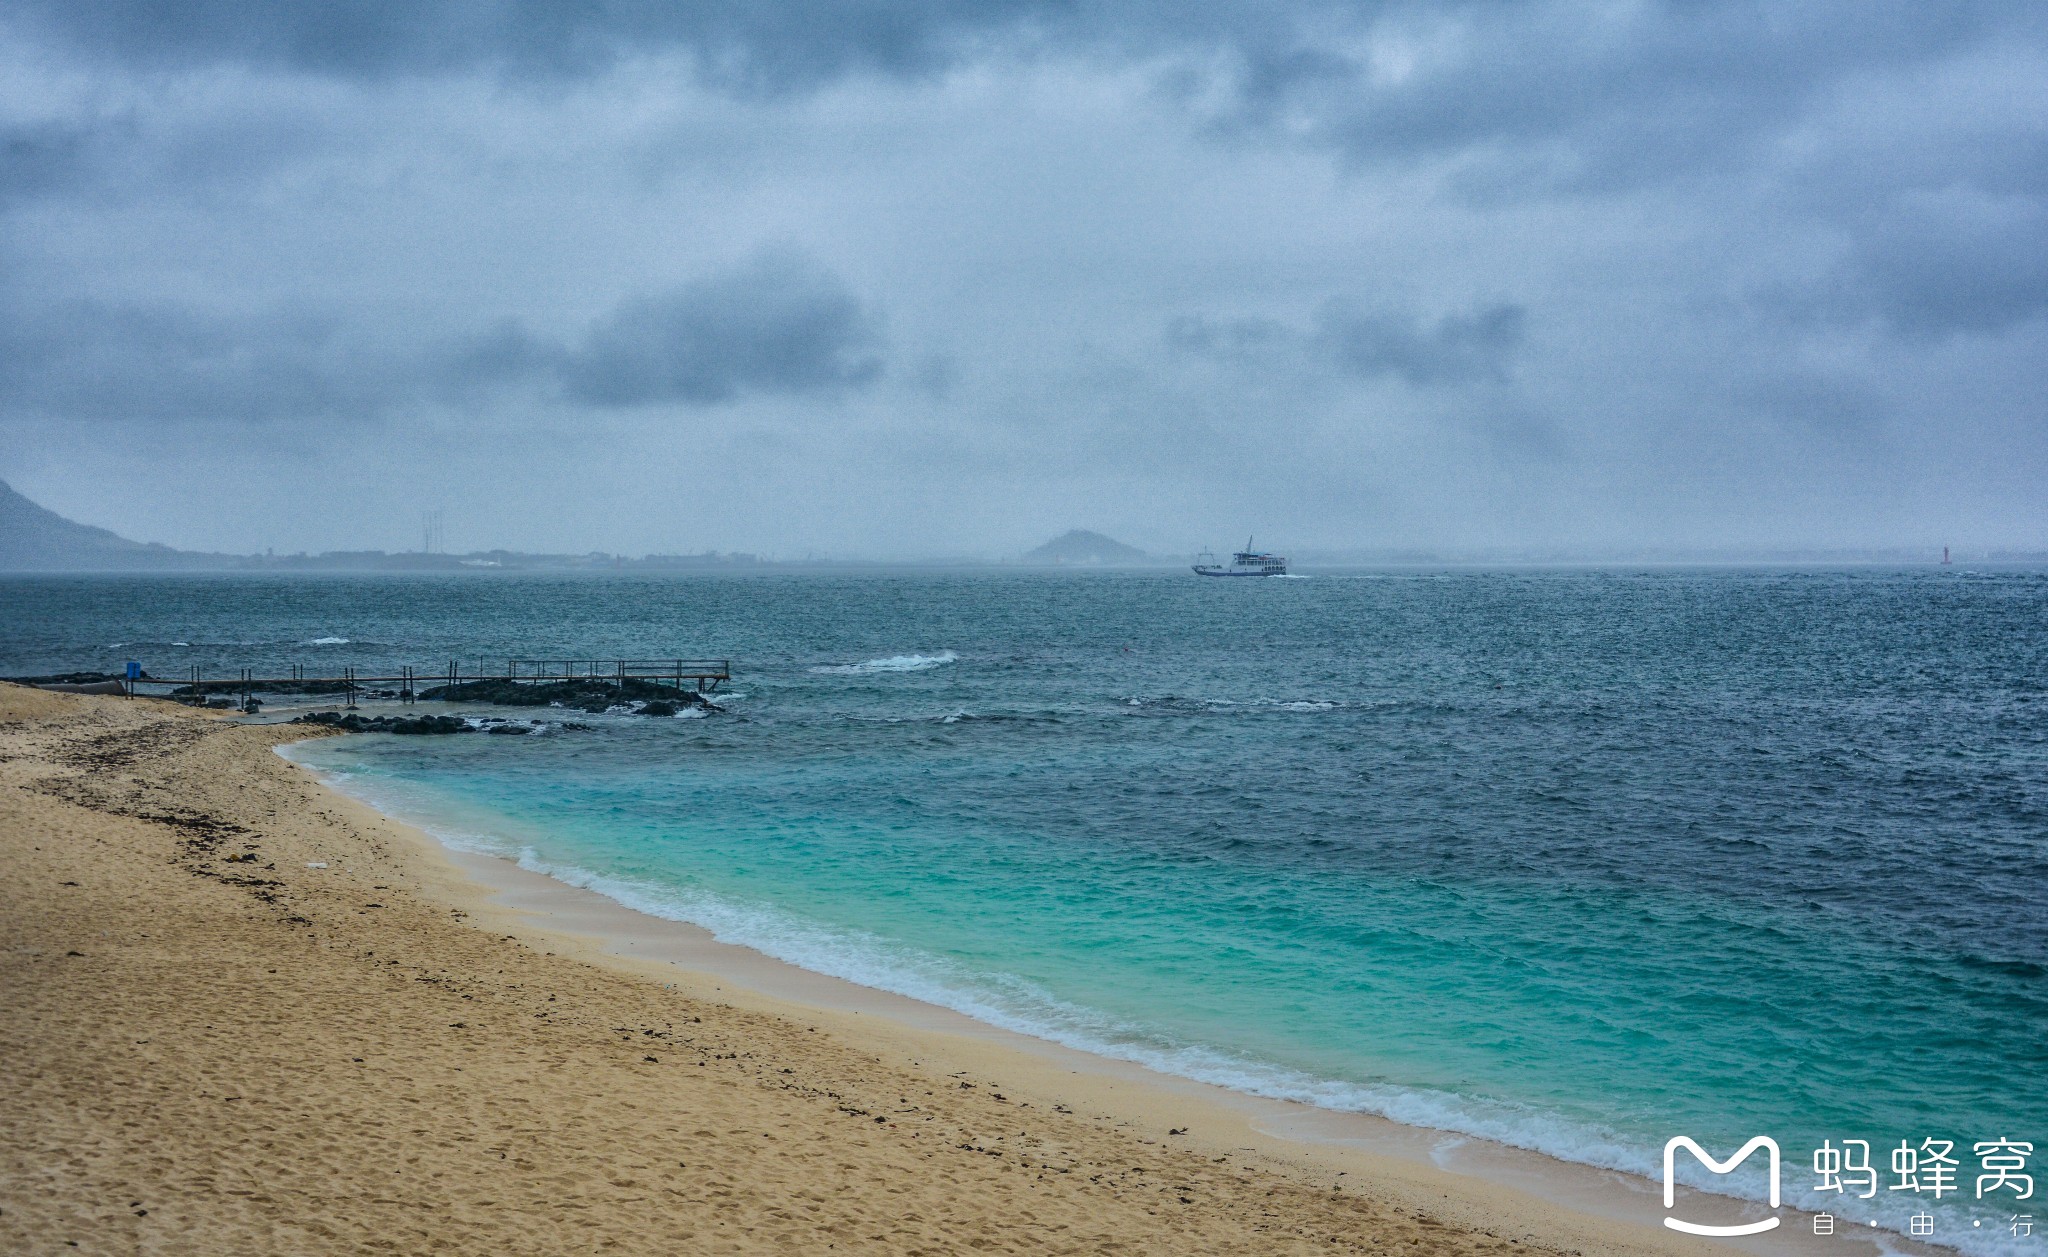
(1083, 547)
(33, 538)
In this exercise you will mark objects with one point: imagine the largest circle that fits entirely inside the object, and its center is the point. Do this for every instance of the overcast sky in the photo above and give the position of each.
(935, 276)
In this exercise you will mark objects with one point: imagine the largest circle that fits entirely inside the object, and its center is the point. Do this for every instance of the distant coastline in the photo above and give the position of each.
(34, 539)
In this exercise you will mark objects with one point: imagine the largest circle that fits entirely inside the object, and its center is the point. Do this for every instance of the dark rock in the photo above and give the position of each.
(356, 723)
(584, 693)
(276, 687)
(72, 678)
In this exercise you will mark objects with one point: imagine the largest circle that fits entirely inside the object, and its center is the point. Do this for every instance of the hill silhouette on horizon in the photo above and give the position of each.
(36, 538)
(1081, 546)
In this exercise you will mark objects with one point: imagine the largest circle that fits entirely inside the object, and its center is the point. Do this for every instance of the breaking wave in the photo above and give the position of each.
(1013, 1002)
(894, 663)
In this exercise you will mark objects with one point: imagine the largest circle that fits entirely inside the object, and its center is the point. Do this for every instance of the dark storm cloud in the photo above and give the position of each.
(1928, 264)
(1934, 267)
(1370, 342)
(778, 324)
(1239, 339)
(1839, 407)
(770, 45)
(1532, 98)
(90, 360)
(113, 155)
(1554, 220)
(39, 159)
(1650, 87)
(502, 357)
(1549, 95)
(1456, 349)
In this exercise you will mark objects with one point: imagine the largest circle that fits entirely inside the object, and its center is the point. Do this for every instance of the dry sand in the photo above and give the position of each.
(208, 1046)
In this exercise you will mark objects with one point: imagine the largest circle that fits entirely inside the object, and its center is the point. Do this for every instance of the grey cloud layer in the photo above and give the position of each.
(1528, 99)
(761, 45)
(779, 323)
(94, 361)
(1586, 92)
(1934, 265)
(1370, 342)
(1675, 248)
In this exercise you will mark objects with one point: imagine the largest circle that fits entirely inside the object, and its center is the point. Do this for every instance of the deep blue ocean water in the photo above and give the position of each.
(1579, 860)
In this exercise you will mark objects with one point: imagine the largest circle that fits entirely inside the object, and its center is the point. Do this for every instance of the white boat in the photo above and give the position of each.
(1246, 562)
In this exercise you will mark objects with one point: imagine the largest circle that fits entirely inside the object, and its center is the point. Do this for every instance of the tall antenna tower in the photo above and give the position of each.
(430, 532)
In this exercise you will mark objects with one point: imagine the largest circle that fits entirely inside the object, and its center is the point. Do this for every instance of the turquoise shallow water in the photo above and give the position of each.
(1576, 860)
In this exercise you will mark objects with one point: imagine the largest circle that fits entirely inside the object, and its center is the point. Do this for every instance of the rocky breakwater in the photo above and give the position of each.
(356, 723)
(641, 697)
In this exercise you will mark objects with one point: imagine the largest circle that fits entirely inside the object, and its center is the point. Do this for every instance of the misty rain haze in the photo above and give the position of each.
(904, 280)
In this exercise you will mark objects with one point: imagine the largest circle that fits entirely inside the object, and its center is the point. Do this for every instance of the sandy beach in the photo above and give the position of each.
(245, 1014)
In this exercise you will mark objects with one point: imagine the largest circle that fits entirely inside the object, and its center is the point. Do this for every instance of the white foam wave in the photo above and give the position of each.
(1284, 704)
(1223, 706)
(484, 724)
(893, 663)
(394, 800)
(326, 641)
(1017, 1004)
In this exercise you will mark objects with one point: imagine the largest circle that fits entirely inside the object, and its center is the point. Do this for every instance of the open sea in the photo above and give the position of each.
(1577, 860)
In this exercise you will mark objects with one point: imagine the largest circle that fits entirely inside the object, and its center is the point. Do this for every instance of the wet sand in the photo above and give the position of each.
(245, 1014)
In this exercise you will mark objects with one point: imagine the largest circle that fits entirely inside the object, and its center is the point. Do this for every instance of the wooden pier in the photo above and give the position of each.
(349, 685)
